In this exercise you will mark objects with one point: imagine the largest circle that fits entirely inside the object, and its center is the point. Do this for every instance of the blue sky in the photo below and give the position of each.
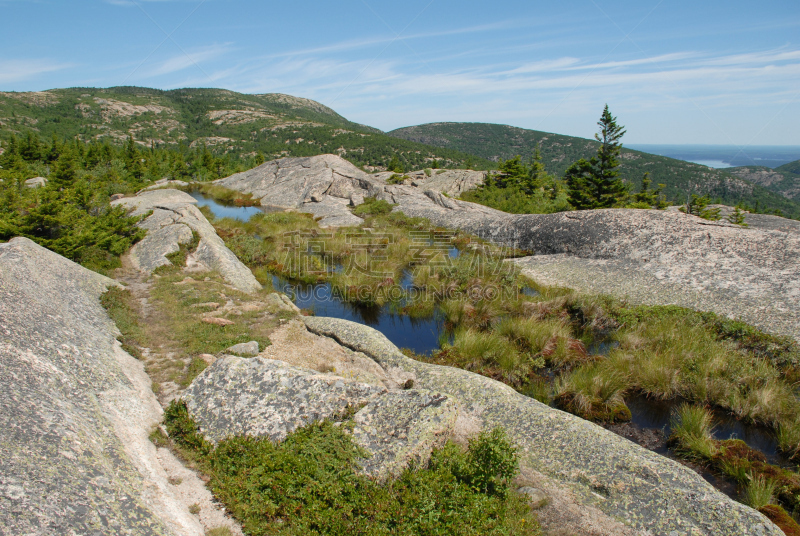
(673, 71)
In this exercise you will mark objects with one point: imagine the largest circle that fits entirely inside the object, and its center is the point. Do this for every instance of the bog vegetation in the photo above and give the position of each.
(540, 340)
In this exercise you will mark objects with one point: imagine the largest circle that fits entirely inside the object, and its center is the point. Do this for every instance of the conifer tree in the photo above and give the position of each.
(66, 170)
(595, 183)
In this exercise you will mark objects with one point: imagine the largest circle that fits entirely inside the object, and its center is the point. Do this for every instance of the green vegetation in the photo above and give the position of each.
(595, 183)
(373, 207)
(501, 142)
(521, 188)
(71, 215)
(698, 206)
(309, 484)
(737, 217)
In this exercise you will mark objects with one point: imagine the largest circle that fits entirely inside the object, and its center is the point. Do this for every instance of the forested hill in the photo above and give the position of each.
(784, 180)
(228, 123)
(496, 142)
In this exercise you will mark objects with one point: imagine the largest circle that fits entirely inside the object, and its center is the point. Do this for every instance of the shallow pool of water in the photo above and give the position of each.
(418, 334)
(655, 414)
(231, 211)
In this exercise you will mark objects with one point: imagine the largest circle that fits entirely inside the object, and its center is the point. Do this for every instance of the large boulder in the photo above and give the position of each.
(400, 429)
(261, 397)
(77, 410)
(174, 221)
(311, 184)
(605, 473)
(452, 182)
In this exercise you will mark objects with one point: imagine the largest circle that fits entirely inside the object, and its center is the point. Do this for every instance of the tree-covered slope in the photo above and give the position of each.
(783, 180)
(501, 142)
(237, 124)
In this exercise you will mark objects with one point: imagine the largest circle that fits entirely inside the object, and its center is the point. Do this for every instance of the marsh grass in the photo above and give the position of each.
(760, 492)
(691, 433)
(594, 392)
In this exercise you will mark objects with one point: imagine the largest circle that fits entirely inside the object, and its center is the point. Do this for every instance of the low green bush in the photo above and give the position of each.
(309, 484)
(373, 207)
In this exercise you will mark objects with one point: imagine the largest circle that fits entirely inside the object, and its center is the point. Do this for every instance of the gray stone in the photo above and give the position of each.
(263, 397)
(245, 349)
(77, 410)
(165, 183)
(173, 212)
(603, 471)
(452, 182)
(116, 196)
(151, 252)
(36, 182)
(400, 429)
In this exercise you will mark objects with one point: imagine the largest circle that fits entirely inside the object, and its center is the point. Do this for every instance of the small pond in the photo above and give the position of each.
(231, 211)
(418, 334)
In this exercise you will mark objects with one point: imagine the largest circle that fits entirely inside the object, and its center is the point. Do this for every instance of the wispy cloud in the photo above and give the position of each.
(18, 70)
(191, 58)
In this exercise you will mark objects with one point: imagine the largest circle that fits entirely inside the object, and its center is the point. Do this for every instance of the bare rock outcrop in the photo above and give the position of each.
(613, 485)
(75, 457)
(320, 185)
(452, 182)
(174, 221)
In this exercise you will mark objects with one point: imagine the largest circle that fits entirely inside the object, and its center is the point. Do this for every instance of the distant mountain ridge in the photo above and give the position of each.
(501, 142)
(227, 122)
(783, 180)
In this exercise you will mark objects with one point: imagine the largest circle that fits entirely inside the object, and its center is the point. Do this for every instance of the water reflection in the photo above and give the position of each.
(237, 213)
(418, 334)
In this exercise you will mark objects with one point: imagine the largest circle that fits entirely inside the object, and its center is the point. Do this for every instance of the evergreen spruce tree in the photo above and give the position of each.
(595, 183)
(66, 169)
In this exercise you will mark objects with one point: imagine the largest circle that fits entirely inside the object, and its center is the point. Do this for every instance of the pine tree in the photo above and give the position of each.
(737, 217)
(66, 169)
(595, 183)
(653, 198)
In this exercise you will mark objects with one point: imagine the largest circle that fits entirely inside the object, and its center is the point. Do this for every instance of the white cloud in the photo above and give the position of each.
(186, 59)
(18, 70)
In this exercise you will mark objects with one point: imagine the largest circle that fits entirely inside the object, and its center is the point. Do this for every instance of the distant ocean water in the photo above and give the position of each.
(725, 156)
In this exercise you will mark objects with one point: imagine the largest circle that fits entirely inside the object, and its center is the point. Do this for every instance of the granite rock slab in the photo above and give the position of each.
(77, 410)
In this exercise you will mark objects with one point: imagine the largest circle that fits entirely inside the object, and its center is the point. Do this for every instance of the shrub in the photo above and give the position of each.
(373, 207)
(308, 484)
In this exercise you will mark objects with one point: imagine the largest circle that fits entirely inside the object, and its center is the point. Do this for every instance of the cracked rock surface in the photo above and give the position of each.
(595, 468)
(268, 398)
(173, 221)
(75, 457)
